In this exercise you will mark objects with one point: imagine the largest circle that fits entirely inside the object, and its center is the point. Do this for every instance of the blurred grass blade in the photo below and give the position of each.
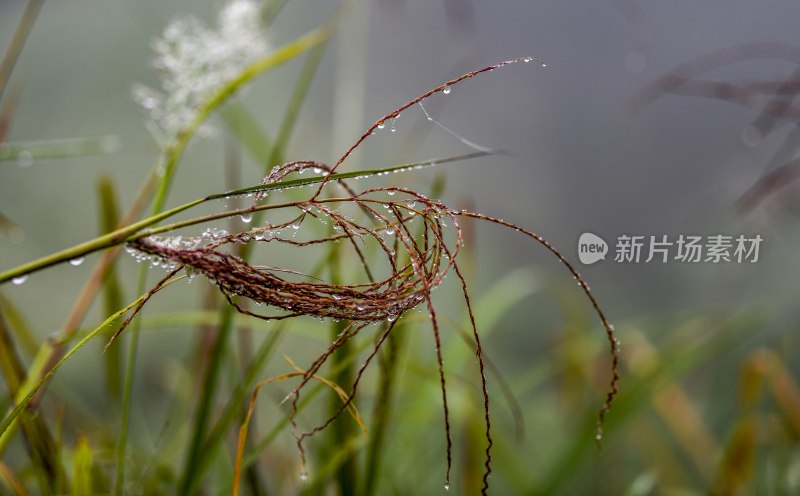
(246, 129)
(23, 152)
(341, 431)
(734, 473)
(83, 461)
(29, 390)
(674, 405)
(18, 41)
(301, 87)
(270, 10)
(191, 473)
(11, 483)
(14, 232)
(711, 340)
(112, 291)
(38, 440)
(784, 389)
(22, 333)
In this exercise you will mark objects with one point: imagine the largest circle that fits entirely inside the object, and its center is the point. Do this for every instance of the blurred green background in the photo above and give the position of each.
(709, 399)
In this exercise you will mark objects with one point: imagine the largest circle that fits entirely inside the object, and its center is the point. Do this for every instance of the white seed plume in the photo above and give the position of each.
(194, 61)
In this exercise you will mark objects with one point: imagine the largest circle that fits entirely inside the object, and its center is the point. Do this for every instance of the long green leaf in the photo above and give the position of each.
(136, 230)
(112, 290)
(60, 148)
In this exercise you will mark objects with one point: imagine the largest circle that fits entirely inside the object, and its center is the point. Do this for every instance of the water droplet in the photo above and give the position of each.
(296, 226)
(527, 59)
(76, 261)
(446, 90)
(391, 317)
(246, 218)
(391, 192)
(19, 280)
(317, 170)
(304, 476)
(599, 436)
(389, 231)
(410, 203)
(381, 125)
(446, 486)
(394, 124)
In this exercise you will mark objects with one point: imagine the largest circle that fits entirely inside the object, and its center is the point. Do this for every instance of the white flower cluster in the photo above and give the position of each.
(194, 62)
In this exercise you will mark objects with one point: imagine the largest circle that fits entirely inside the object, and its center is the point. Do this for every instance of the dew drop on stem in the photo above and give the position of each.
(19, 280)
(246, 218)
(446, 90)
(76, 261)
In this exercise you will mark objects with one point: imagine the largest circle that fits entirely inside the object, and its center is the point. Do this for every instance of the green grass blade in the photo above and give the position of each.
(301, 87)
(191, 477)
(20, 330)
(38, 439)
(137, 229)
(112, 291)
(61, 148)
(248, 132)
(342, 431)
(29, 392)
(18, 41)
(83, 462)
(675, 363)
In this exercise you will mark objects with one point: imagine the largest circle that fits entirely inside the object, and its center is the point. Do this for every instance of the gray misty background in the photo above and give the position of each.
(584, 160)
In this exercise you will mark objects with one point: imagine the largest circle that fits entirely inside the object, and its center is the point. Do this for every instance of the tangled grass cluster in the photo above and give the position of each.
(414, 239)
